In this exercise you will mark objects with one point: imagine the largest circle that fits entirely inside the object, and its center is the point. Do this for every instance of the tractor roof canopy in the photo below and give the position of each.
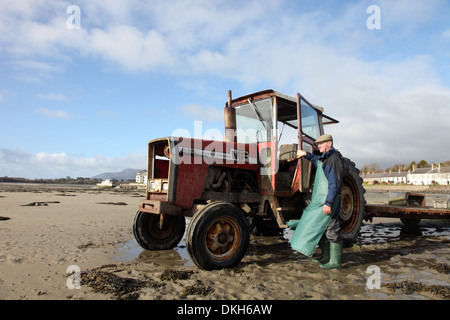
(257, 111)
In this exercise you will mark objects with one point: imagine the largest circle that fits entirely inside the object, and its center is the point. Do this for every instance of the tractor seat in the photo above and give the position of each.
(288, 151)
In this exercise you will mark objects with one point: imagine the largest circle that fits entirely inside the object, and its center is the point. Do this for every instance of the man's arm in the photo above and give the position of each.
(311, 157)
(301, 153)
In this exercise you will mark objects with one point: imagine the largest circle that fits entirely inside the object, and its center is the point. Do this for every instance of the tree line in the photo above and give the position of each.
(374, 167)
(66, 180)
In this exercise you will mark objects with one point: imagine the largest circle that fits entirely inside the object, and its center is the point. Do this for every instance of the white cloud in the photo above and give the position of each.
(385, 126)
(6, 94)
(51, 96)
(58, 114)
(202, 113)
(20, 163)
(138, 37)
(218, 37)
(34, 65)
(133, 50)
(446, 34)
(107, 113)
(407, 15)
(34, 71)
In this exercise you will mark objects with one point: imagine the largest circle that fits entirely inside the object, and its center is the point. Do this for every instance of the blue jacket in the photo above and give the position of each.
(332, 167)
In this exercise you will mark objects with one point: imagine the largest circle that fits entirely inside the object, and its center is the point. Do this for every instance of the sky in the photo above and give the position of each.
(84, 85)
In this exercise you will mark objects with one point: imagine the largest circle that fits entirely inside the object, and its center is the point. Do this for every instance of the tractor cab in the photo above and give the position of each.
(271, 120)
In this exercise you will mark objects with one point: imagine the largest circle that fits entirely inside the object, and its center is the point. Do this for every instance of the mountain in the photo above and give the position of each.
(127, 174)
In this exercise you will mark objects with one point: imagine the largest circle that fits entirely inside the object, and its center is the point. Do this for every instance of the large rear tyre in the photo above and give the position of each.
(152, 233)
(352, 202)
(217, 236)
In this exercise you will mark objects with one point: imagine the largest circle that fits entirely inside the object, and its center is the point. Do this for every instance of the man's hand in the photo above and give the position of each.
(326, 209)
(301, 153)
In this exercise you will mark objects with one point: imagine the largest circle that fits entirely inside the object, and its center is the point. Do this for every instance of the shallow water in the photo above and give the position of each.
(384, 232)
(132, 251)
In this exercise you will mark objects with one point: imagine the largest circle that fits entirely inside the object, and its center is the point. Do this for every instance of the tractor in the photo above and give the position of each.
(250, 182)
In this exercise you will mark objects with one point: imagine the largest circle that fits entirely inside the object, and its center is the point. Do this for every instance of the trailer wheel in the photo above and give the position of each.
(352, 201)
(217, 236)
(412, 223)
(149, 234)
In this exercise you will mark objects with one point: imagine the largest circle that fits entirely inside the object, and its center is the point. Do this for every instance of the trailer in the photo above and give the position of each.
(410, 209)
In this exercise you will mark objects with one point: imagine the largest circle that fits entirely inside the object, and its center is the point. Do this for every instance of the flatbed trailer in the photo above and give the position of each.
(389, 211)
(413, 209)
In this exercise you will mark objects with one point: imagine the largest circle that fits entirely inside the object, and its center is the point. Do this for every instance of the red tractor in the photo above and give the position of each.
(248, 183)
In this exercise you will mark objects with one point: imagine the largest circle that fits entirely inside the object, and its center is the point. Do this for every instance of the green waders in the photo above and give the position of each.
(313, 224)
(336, 249)
(324, 245)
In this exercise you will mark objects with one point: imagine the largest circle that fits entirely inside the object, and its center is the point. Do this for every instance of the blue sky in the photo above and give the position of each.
(78, 102)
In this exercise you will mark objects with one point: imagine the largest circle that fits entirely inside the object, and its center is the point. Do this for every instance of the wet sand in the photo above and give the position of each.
(91, 229)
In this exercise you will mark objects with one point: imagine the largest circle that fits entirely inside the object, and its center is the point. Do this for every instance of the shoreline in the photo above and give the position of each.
(407, 188)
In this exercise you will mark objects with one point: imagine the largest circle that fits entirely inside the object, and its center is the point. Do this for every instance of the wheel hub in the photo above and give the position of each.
(161, 231)
(223, 238)
(220, 238)
(347, 203)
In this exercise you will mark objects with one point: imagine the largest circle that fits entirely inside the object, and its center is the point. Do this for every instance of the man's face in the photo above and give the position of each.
(324, 146)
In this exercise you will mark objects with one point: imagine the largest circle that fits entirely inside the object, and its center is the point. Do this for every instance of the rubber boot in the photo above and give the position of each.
(325, 254)
(336, 249)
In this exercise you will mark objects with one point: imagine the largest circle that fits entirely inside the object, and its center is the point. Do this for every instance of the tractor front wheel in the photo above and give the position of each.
(154, 233)
(217, 236)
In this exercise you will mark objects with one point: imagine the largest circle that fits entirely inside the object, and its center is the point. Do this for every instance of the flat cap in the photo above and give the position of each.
(324, 137)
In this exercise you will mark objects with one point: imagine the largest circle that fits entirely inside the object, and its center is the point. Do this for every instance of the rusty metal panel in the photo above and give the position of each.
(158, 207)
(232, 197)
(190, 181)
(415, 199)
(387, 211)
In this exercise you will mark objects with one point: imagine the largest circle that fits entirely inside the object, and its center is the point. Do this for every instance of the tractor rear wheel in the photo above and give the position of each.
(352, 201)
(217, 236)
(152, 233)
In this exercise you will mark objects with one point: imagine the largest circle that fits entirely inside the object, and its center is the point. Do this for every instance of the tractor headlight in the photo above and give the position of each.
(158, 185)
(153, 186)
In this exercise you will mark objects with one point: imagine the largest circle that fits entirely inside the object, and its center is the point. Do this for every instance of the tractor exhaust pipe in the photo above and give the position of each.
(230, 121)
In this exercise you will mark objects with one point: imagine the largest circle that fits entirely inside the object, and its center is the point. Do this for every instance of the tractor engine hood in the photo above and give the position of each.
(175, 159)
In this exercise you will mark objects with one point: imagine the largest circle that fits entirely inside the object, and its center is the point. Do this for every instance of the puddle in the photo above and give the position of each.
(393, 231)
(132, 251)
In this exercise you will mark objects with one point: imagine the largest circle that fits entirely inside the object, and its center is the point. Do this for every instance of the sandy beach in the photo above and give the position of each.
(48, 232)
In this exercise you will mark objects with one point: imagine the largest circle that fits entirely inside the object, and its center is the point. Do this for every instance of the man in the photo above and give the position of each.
(320, 220)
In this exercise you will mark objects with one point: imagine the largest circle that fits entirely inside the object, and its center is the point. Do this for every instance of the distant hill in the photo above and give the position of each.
(127, 174)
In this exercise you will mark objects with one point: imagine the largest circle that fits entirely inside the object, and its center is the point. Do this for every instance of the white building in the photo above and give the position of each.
(434, 175)
(421, 176)
(387, 177)
(141, 177)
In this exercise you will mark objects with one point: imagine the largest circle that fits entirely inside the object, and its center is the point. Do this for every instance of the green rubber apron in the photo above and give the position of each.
(313, 223)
